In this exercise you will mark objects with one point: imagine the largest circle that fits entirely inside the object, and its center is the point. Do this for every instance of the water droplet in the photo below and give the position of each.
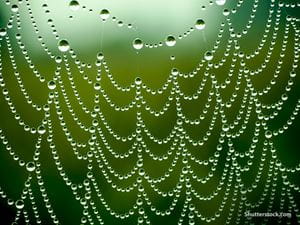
(200, 24)
(138, 81)
(97, 86)
(30, 166)
(51, 85)
(58, 59)
(268, 134)
(2, 32)
(172, 57)
(137, 44)
(220, 2)
(19, 204)
(14, 8)
(170, 41)
(104, 14)
(41, 129)
(63, 46)
(100, 56)
(226, 12)
(208, 56)
(74, 5)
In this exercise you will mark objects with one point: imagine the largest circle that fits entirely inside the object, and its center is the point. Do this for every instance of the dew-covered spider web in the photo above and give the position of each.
(110, 118)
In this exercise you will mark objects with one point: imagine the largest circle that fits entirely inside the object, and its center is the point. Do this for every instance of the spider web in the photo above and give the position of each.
(215, 144)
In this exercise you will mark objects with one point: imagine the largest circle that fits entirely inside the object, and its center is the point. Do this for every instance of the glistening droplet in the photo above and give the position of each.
(137, 44)
(170, 41)
(200, 24)
(63, 46)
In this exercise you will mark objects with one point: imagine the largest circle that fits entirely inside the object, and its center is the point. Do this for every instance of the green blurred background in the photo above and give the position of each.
(152, 22)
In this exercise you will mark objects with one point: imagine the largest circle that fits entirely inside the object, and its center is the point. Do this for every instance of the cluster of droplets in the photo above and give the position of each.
(179, 140)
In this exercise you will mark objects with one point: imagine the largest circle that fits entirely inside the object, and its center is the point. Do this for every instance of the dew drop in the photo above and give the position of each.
(220, 2)
(58, 59)
(2, 32)
(41, 129)
(208, 56)
(104, 14)
(172, 57)
(74, 5)
(97, 86)
(268, 134)
(51, 85)
(226, 12)
(170, 41)
(200, 24)
(30, 166)
(63, 46)
(137, 44)
(100, 56)
(14, 8)
(19, 204)
(138, 81)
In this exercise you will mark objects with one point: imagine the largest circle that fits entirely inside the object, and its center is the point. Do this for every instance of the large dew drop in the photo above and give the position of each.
(19, 204)
(104, 14)
(200, 24)
(30, 166)
(74, 5)
(170, 41)
(137, 44)
(220, 2)
(63, 46)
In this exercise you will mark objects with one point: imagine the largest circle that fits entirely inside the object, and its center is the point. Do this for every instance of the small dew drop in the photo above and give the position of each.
(208, 56)
(200, 24)
(30, 166)
(104, 14)
(63, 46)
(51, 85)
(74, 5)
(226, 12)
(58, 59)
(19, 204)
(170, 41)
(2, 32)
(172, 57)
(138, 44)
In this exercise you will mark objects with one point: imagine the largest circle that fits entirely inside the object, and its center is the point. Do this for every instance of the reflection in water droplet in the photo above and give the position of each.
(208, 56)
(30, 166)
(2, 32)
(138, 81)
(137, 44)
(104, 14)
(268, 134)
(14, 8)
(51, 85)
(170, 41)
(100, 56)
(200, 24)
(74, 5)
(63, 46)
(19, 204)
